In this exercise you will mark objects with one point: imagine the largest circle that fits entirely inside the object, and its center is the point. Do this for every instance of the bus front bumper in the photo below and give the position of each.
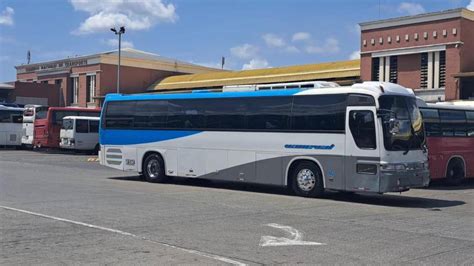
(399, 181)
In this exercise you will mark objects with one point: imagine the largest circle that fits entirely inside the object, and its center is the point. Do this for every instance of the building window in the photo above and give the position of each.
(44, 81)
(90, 88)
(375, 68)
(393, 75)
(385, 69)
(442, 69)
(74, 90)
(433, 70)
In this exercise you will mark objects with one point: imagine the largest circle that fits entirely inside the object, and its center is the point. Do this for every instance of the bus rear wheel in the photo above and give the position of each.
(306, 180)
(455, 173)
(153, 169)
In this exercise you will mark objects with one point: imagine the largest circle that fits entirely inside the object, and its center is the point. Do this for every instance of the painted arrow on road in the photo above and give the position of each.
(295, 240)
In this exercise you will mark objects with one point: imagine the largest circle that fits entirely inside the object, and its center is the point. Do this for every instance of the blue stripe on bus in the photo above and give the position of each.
(129, 137)
(204, 95)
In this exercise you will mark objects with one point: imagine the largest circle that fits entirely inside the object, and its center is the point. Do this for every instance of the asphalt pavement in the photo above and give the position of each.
(64, 208)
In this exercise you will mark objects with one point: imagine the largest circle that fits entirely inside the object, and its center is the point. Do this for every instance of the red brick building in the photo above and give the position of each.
(431, 53)
(85, 80)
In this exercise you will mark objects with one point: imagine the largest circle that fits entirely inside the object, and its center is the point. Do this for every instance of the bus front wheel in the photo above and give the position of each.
(153, 169)
(306, 180)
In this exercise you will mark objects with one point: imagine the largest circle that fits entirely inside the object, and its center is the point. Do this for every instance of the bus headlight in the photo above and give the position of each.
(392, 167)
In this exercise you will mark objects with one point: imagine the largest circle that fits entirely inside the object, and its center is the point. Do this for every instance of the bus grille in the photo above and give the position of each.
(114, 156)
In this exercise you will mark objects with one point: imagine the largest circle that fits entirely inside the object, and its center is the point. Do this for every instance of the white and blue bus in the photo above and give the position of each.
(367, 137)
(11, 121)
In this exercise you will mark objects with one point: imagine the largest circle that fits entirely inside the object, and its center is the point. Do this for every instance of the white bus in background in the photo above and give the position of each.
(80, 133)
(30, 114)
(367, 137)
(10, 126)
(280, 86)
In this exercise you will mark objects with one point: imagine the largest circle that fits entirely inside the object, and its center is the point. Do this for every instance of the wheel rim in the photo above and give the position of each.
(306, 179)
(153, 168)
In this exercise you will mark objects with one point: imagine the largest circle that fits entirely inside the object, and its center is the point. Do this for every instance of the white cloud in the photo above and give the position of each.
(4, 58)
(292, 49)
(411, 8)
(6, 17)
(114, 43)
(301, 36)
(330, 45)
(256, 63)
(355, 55)
(471, 5)
(134, 15)
(273, 40)
(244, 51)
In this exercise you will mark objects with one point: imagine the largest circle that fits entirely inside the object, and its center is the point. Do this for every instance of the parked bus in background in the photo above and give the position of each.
(450, 139)
(47, 129)
(10, 125)
(30, 114)
(367, 137)
(281, 86)
(80, 133)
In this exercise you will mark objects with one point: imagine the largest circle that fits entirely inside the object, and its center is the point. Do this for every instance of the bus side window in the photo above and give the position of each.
(82, 126)
(362, 125)
(470, 124)
(431, 121)
(453, 122)
(93, 126)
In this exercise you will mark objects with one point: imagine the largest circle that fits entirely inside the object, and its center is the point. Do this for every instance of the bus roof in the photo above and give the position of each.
(82, 117)
(448, 106)
(74, 109)
(8, 108)
(375, 89)
(34, 105)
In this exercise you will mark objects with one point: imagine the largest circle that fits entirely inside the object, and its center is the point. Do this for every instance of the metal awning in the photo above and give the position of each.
(464, 75)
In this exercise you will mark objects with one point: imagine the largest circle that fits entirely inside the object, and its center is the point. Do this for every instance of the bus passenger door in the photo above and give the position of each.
(362, 155)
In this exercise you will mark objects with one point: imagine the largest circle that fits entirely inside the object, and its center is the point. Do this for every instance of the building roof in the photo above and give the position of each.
(324, 71)
(129, 57)
(421, 18)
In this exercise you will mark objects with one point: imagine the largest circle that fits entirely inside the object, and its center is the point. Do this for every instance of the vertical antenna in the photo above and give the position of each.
(379, 11)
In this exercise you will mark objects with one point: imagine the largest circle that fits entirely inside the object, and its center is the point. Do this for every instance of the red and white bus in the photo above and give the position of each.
(47, 129)
(450, 138)
(30, 114)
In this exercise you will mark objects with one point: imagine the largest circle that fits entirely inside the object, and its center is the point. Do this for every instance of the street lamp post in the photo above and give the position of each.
(119, 33)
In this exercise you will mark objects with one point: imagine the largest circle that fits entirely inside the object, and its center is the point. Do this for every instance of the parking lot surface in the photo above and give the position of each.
(66, 208)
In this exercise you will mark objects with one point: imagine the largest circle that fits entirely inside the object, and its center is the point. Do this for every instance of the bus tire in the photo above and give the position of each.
(455, 172)
(306, 180)
(153, 168)
(96, 149)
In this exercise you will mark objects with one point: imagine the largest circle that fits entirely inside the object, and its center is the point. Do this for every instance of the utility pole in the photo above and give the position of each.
(119, 33)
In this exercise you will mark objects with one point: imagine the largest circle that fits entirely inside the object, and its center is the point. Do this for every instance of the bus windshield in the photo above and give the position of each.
(409, 134)
(68, 124)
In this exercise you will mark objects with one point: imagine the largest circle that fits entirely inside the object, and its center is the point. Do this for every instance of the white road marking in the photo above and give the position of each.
(191, 251)
(296, 238)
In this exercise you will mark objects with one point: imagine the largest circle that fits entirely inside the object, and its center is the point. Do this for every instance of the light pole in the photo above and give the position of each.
(119, 33)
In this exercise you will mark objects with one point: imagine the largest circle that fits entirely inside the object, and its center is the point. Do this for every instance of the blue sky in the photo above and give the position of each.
(249, 33)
